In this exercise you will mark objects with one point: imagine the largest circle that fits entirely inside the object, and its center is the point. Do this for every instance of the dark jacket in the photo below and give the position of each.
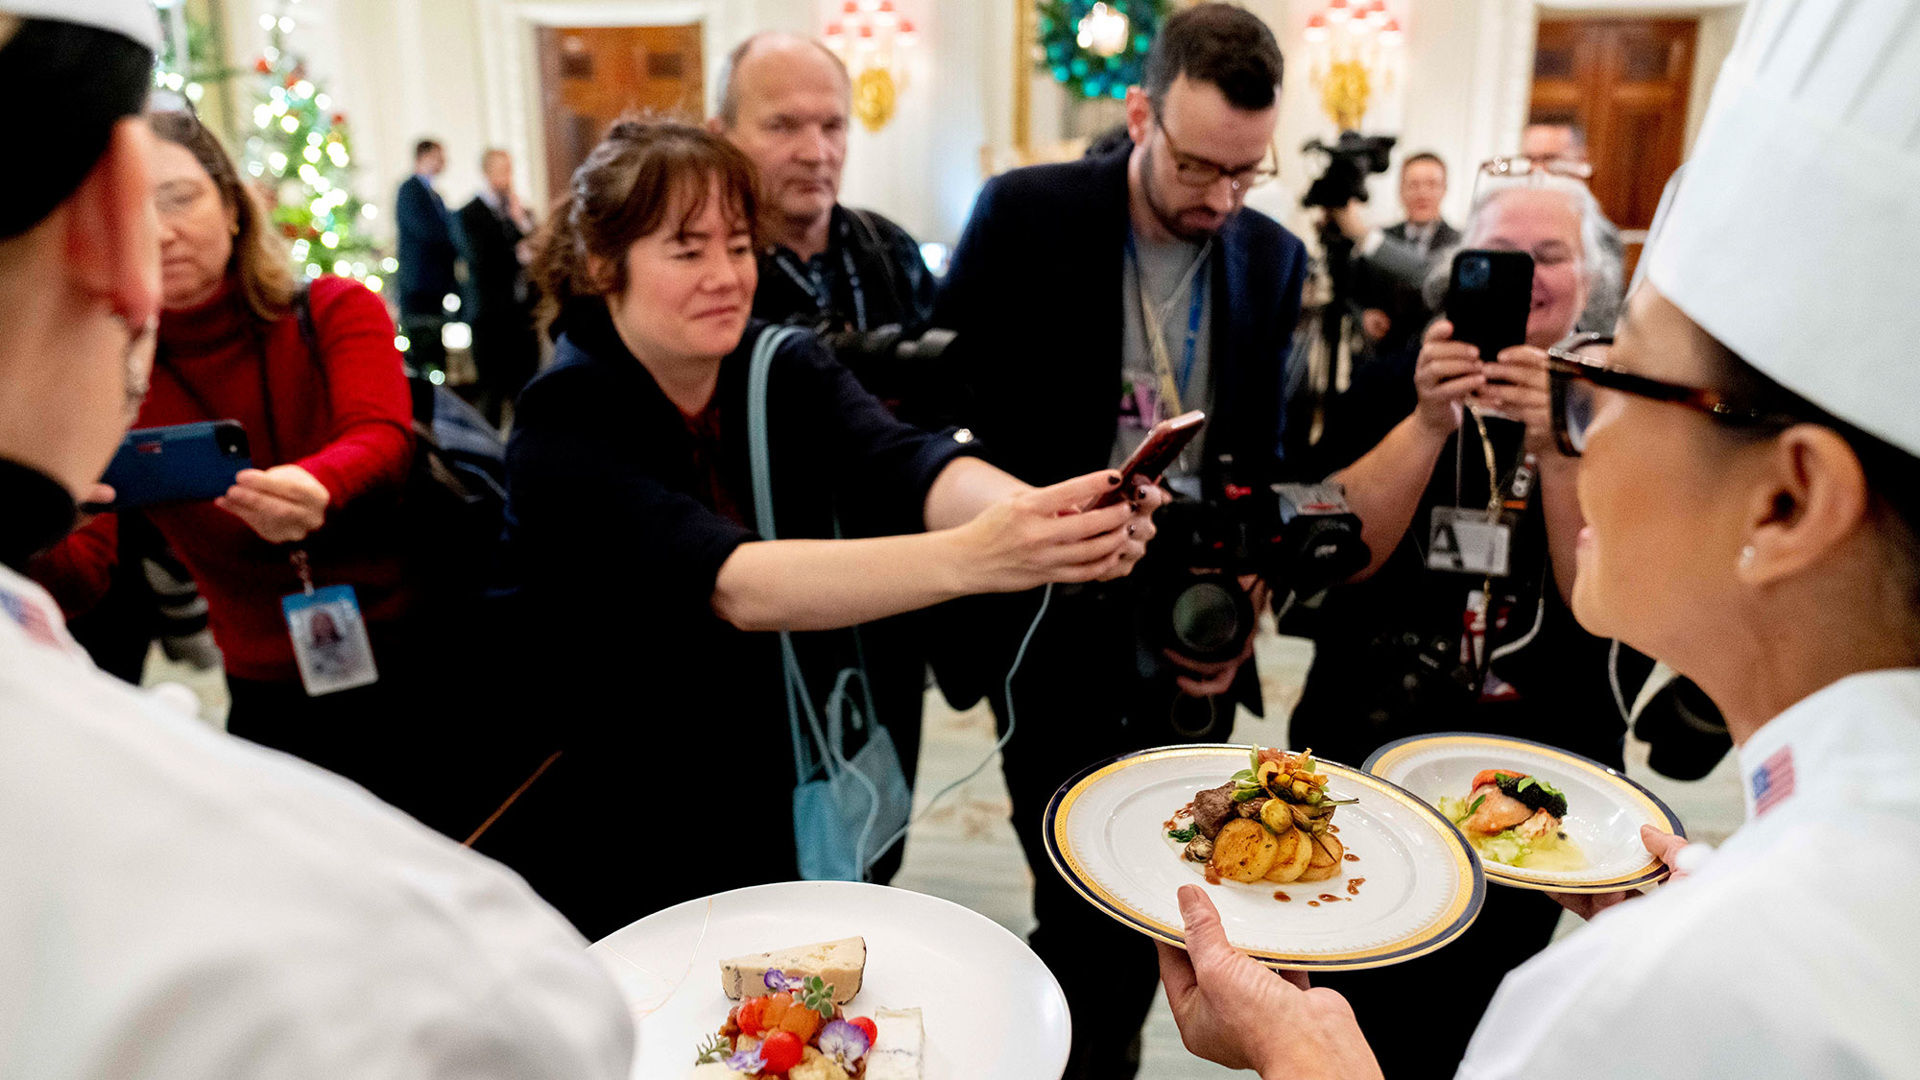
(661, 707)
(895, 286)
(1035, 295)
(496, 281)
(427, 248)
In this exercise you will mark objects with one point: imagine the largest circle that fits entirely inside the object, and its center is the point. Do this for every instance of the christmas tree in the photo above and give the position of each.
(300, 152)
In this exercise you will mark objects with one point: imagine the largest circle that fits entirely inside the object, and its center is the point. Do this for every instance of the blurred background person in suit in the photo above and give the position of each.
(1395, 310)
(494, 226)
(427, 256)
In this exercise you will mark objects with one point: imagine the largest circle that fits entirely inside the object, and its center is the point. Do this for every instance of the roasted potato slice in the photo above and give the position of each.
(1296, 851)
(1244, 850)
(1326, 851)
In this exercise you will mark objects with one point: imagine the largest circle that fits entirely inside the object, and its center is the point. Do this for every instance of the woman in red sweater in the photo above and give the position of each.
(331, 438)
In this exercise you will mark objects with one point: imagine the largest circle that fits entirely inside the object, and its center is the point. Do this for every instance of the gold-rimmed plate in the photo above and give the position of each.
(1605, 809)
(1419, 884)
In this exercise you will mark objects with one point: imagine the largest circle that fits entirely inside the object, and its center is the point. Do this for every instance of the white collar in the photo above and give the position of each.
(1863, 731)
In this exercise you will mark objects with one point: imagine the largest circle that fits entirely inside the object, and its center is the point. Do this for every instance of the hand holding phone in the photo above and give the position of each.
(1159, 450)
(179, 463)
(1489, 295)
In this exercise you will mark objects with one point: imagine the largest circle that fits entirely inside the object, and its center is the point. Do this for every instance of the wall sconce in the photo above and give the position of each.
(1355, 45)
(873, 40)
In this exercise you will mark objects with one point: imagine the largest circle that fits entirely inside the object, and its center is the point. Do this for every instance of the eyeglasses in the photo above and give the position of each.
(1198, 172)
(1536, 168)
(1575, 379)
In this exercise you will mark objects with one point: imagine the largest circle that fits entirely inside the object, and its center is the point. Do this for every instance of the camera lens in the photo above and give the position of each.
(1206, 619)
(1475, 272)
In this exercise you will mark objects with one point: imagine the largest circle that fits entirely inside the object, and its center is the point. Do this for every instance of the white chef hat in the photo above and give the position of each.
(1795, 236)
(131, 18)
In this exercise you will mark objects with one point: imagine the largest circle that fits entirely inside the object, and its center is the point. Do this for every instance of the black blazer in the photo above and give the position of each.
(1035, 295)
(1444, 236)
(427, 249)
(495, 278)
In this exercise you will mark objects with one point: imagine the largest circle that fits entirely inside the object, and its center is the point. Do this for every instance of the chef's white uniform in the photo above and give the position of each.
(1794, 952)
(175, 902)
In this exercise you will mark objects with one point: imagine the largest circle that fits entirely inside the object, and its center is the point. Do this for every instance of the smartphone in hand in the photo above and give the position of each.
(178, 463)
(1489, 294)
(1159, 450)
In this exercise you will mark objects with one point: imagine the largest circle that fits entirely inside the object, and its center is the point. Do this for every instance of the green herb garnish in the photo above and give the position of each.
(1474, 807)
(817, 994)
(1184, 835)
(1246, 794)
(714, 1051)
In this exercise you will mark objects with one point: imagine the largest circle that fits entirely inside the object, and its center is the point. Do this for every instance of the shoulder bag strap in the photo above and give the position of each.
(759, 459)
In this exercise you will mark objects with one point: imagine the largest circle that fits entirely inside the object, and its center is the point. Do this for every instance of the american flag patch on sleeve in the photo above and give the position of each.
(1773, 780)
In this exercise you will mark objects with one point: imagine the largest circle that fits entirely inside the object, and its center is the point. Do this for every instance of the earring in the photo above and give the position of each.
(1746, 557)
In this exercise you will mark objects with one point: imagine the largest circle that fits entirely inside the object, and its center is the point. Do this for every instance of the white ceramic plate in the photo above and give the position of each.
(991, 1008)
(1604, 809)
(1106, 833)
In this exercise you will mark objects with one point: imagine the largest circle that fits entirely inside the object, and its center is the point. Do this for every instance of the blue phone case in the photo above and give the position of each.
(180, 463)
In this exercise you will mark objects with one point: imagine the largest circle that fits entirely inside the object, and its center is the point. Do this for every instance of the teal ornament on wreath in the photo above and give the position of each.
(1084, 45)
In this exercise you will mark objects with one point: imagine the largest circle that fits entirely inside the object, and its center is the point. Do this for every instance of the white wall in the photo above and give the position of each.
(465, 72)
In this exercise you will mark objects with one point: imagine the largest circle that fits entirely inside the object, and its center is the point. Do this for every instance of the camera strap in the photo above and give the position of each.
(1173, 390)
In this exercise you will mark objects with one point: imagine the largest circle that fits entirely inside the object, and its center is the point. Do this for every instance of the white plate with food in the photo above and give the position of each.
(948, 993)
(1313, 865)
(1540, 817)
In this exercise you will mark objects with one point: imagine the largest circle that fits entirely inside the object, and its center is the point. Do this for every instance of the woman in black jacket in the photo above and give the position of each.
(646, 589)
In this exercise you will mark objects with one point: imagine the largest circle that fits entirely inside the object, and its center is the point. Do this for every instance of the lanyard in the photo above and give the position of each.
(1173, 390)
(817, 288)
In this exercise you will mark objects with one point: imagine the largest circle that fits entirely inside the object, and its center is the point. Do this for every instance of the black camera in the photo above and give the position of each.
(1350, 160)
(895, 366)
(1300, 539)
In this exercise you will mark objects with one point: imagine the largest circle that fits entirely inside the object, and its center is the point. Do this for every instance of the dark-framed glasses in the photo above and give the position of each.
(1198, 172)
(1578, 370)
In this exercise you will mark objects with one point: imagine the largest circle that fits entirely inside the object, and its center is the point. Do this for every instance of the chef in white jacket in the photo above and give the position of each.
(174, 902)
(1763, 538)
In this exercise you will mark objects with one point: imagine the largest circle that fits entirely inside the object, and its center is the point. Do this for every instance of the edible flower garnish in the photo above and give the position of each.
(845, 1043)
(748, 1061)
(713, 1051)
(778, 980)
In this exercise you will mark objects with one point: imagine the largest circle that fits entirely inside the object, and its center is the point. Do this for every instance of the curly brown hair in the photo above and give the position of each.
(642, 173)
(260, 263)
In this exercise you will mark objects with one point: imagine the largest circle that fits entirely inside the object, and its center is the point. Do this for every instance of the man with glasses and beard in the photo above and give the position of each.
(1093, 299)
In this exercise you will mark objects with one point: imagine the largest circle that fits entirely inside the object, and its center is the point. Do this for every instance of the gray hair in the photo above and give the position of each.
(1600, 247)
(729, 112)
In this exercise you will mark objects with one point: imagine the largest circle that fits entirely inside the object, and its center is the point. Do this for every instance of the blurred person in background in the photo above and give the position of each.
(1509, 659)
(495, 228)
(331, 443)
(651, 599)
(177, 902)
(1396, 308)
(851, 275)
(428, 254)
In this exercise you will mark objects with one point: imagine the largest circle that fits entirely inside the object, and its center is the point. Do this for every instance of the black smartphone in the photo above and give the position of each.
(1489, 294)
(178, 463)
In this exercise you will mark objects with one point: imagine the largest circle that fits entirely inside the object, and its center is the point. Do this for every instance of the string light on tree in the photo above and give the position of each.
(301, 151)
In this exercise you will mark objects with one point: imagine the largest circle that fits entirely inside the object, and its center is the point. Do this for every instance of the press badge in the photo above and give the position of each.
(329, 640)
(1465, 542)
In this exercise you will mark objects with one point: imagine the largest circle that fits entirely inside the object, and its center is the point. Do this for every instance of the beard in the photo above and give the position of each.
(1168, 219)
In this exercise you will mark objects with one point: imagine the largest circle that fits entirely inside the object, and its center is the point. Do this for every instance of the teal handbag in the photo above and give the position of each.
(843, 808)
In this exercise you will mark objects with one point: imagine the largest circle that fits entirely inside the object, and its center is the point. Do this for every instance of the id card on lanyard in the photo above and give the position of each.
(330, 643)
(1173, 386)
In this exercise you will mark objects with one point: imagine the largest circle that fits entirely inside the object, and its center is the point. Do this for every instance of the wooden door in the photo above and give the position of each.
(1625, 82)
(590, 76)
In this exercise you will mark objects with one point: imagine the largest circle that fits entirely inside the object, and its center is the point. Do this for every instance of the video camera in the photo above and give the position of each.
(890, 363)
(1300, 539)
(1350, 160)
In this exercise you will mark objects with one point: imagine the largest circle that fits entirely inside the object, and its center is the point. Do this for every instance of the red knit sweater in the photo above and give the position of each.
(351, 429)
